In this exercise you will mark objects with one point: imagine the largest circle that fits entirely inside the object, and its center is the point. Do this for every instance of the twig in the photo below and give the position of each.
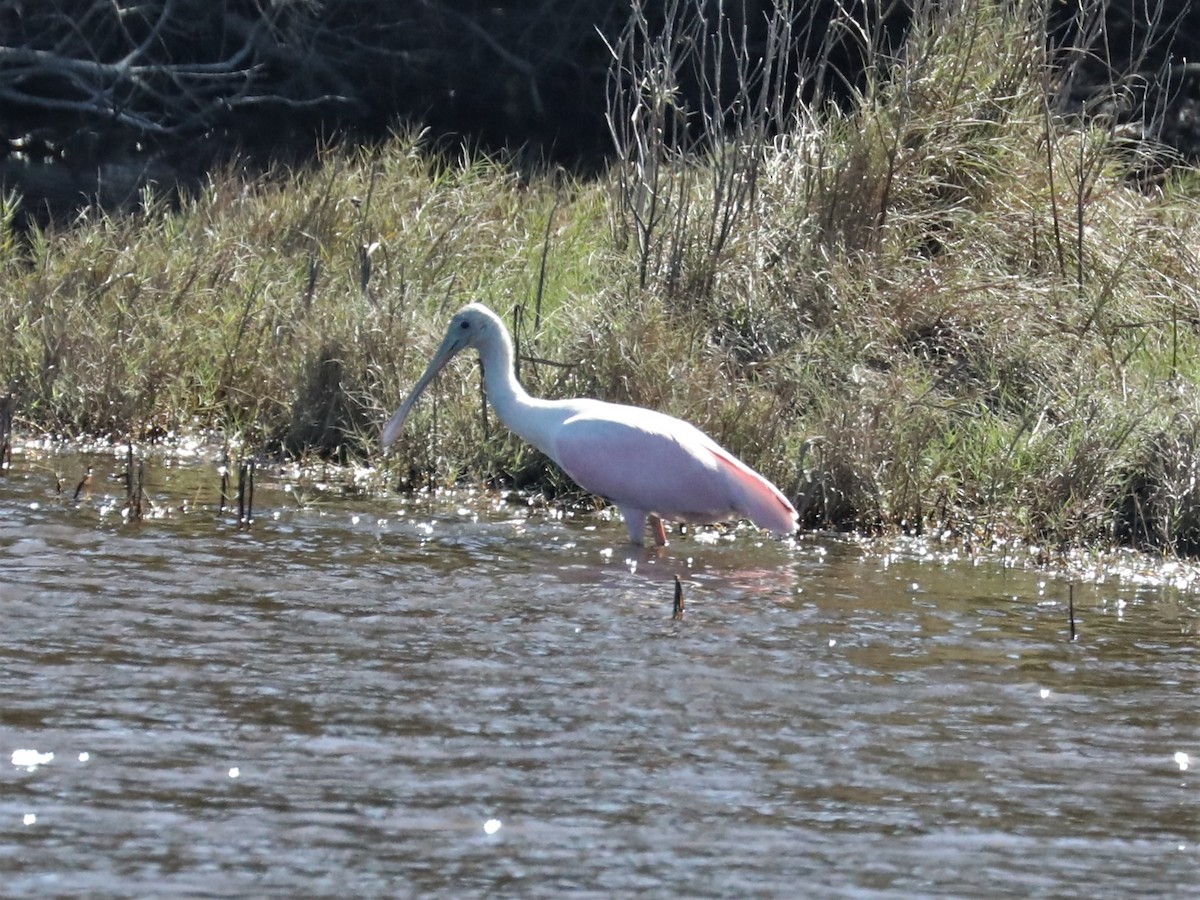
(6, 417)
(241, 492)
(224, 484)
(246, 493)
(537, 308)
(133, 486)
(139, 493)
(128, 473)
(677, 612)
(1071, 609)
(250, 497)
(85, 485)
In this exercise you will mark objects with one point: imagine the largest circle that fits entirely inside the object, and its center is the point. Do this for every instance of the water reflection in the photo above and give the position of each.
(402, 697)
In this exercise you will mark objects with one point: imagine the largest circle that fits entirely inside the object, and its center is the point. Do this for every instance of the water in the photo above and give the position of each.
(458, 697)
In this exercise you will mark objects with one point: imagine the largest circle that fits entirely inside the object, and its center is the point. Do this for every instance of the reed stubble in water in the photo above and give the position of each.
(85, 485)
(245, 493)
(1071, 610)
(6, 422)
(245, 489)
(135, 480)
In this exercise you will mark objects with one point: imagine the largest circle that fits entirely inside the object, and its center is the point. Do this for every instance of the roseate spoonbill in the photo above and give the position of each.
(651, 465)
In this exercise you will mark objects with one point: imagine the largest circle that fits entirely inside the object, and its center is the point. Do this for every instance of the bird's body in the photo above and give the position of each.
(651, 465)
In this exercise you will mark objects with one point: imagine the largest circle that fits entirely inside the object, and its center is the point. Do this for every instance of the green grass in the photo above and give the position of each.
(947, 310)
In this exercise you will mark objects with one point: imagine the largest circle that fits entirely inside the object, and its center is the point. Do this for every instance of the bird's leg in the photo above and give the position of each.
(635, 521)
(660, 533)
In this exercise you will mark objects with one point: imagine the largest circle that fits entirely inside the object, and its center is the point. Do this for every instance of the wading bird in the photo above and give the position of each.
(651, 465)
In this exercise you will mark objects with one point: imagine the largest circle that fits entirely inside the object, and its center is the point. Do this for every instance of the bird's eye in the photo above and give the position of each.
(464, 325)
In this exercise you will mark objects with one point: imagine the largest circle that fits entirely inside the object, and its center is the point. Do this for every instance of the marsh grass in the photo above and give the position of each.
(950, 308)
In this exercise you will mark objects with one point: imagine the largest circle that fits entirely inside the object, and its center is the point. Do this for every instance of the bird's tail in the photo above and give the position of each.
(762, 502)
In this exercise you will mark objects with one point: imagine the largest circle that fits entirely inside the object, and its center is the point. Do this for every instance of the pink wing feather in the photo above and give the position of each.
(653, 462)
(765, 505)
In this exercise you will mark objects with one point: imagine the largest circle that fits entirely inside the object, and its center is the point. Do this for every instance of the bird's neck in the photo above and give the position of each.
(528, 416)
(500, 379)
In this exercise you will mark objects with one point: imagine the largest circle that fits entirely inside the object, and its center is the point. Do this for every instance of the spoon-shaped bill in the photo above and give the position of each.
(450, 346)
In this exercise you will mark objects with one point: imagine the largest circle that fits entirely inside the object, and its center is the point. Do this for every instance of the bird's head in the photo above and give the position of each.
(472, 326)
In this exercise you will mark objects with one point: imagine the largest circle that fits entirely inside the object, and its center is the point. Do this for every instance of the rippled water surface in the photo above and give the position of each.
(456, 697)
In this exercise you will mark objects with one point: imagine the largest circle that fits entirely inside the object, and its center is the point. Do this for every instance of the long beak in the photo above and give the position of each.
(450, 346)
